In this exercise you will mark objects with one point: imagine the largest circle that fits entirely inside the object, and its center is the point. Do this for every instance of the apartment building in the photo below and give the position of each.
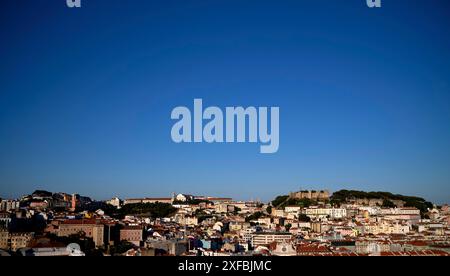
(90, 227)
(132, 234)
(14, 241)
(269, 237)
(333, 213)
(148, 200)
(292, 209)
(9, 205)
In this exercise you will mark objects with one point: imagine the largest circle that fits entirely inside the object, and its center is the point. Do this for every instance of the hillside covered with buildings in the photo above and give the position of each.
(316, 223)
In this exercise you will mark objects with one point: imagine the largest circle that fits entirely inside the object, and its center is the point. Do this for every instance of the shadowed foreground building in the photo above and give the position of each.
(90, 227)
(132, 234)
(14, 241)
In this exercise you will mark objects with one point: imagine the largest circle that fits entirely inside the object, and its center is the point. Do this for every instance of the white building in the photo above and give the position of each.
(115, 201)
(400, 211)
(292, 209)
(278, 212)
(247, 234)
(372, 210)
(9, 205)
(70, 250)
(332, 213)
(268, 238)
(221, 208)
(183, 197)
(386, 227)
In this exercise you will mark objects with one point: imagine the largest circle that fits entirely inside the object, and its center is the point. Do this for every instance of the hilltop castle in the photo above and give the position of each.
(313, 195)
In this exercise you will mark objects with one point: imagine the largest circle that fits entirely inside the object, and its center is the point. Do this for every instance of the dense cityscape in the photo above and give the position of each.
(303, 223)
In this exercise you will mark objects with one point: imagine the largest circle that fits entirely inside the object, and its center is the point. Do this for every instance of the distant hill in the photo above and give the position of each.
(346, 196)
(41, 193)
(284, 200)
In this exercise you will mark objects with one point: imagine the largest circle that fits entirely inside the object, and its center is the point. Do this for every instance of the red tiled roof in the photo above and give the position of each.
(417, 243)
(417, 253)
(85, 221)
(132, 228)
(310, 248)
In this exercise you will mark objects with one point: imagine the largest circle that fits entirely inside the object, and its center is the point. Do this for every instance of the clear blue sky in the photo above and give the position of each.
(86, 96)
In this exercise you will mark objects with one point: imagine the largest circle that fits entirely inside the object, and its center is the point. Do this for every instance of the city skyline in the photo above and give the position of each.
(86, 96)
(204, 196)
(303, 223)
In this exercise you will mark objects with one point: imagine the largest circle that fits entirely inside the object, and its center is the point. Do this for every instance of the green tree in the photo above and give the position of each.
(304, 218)
(236, 210)
(154, 210)
(279, 200)
(288, 227)
(388, 204)
(254, 216)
